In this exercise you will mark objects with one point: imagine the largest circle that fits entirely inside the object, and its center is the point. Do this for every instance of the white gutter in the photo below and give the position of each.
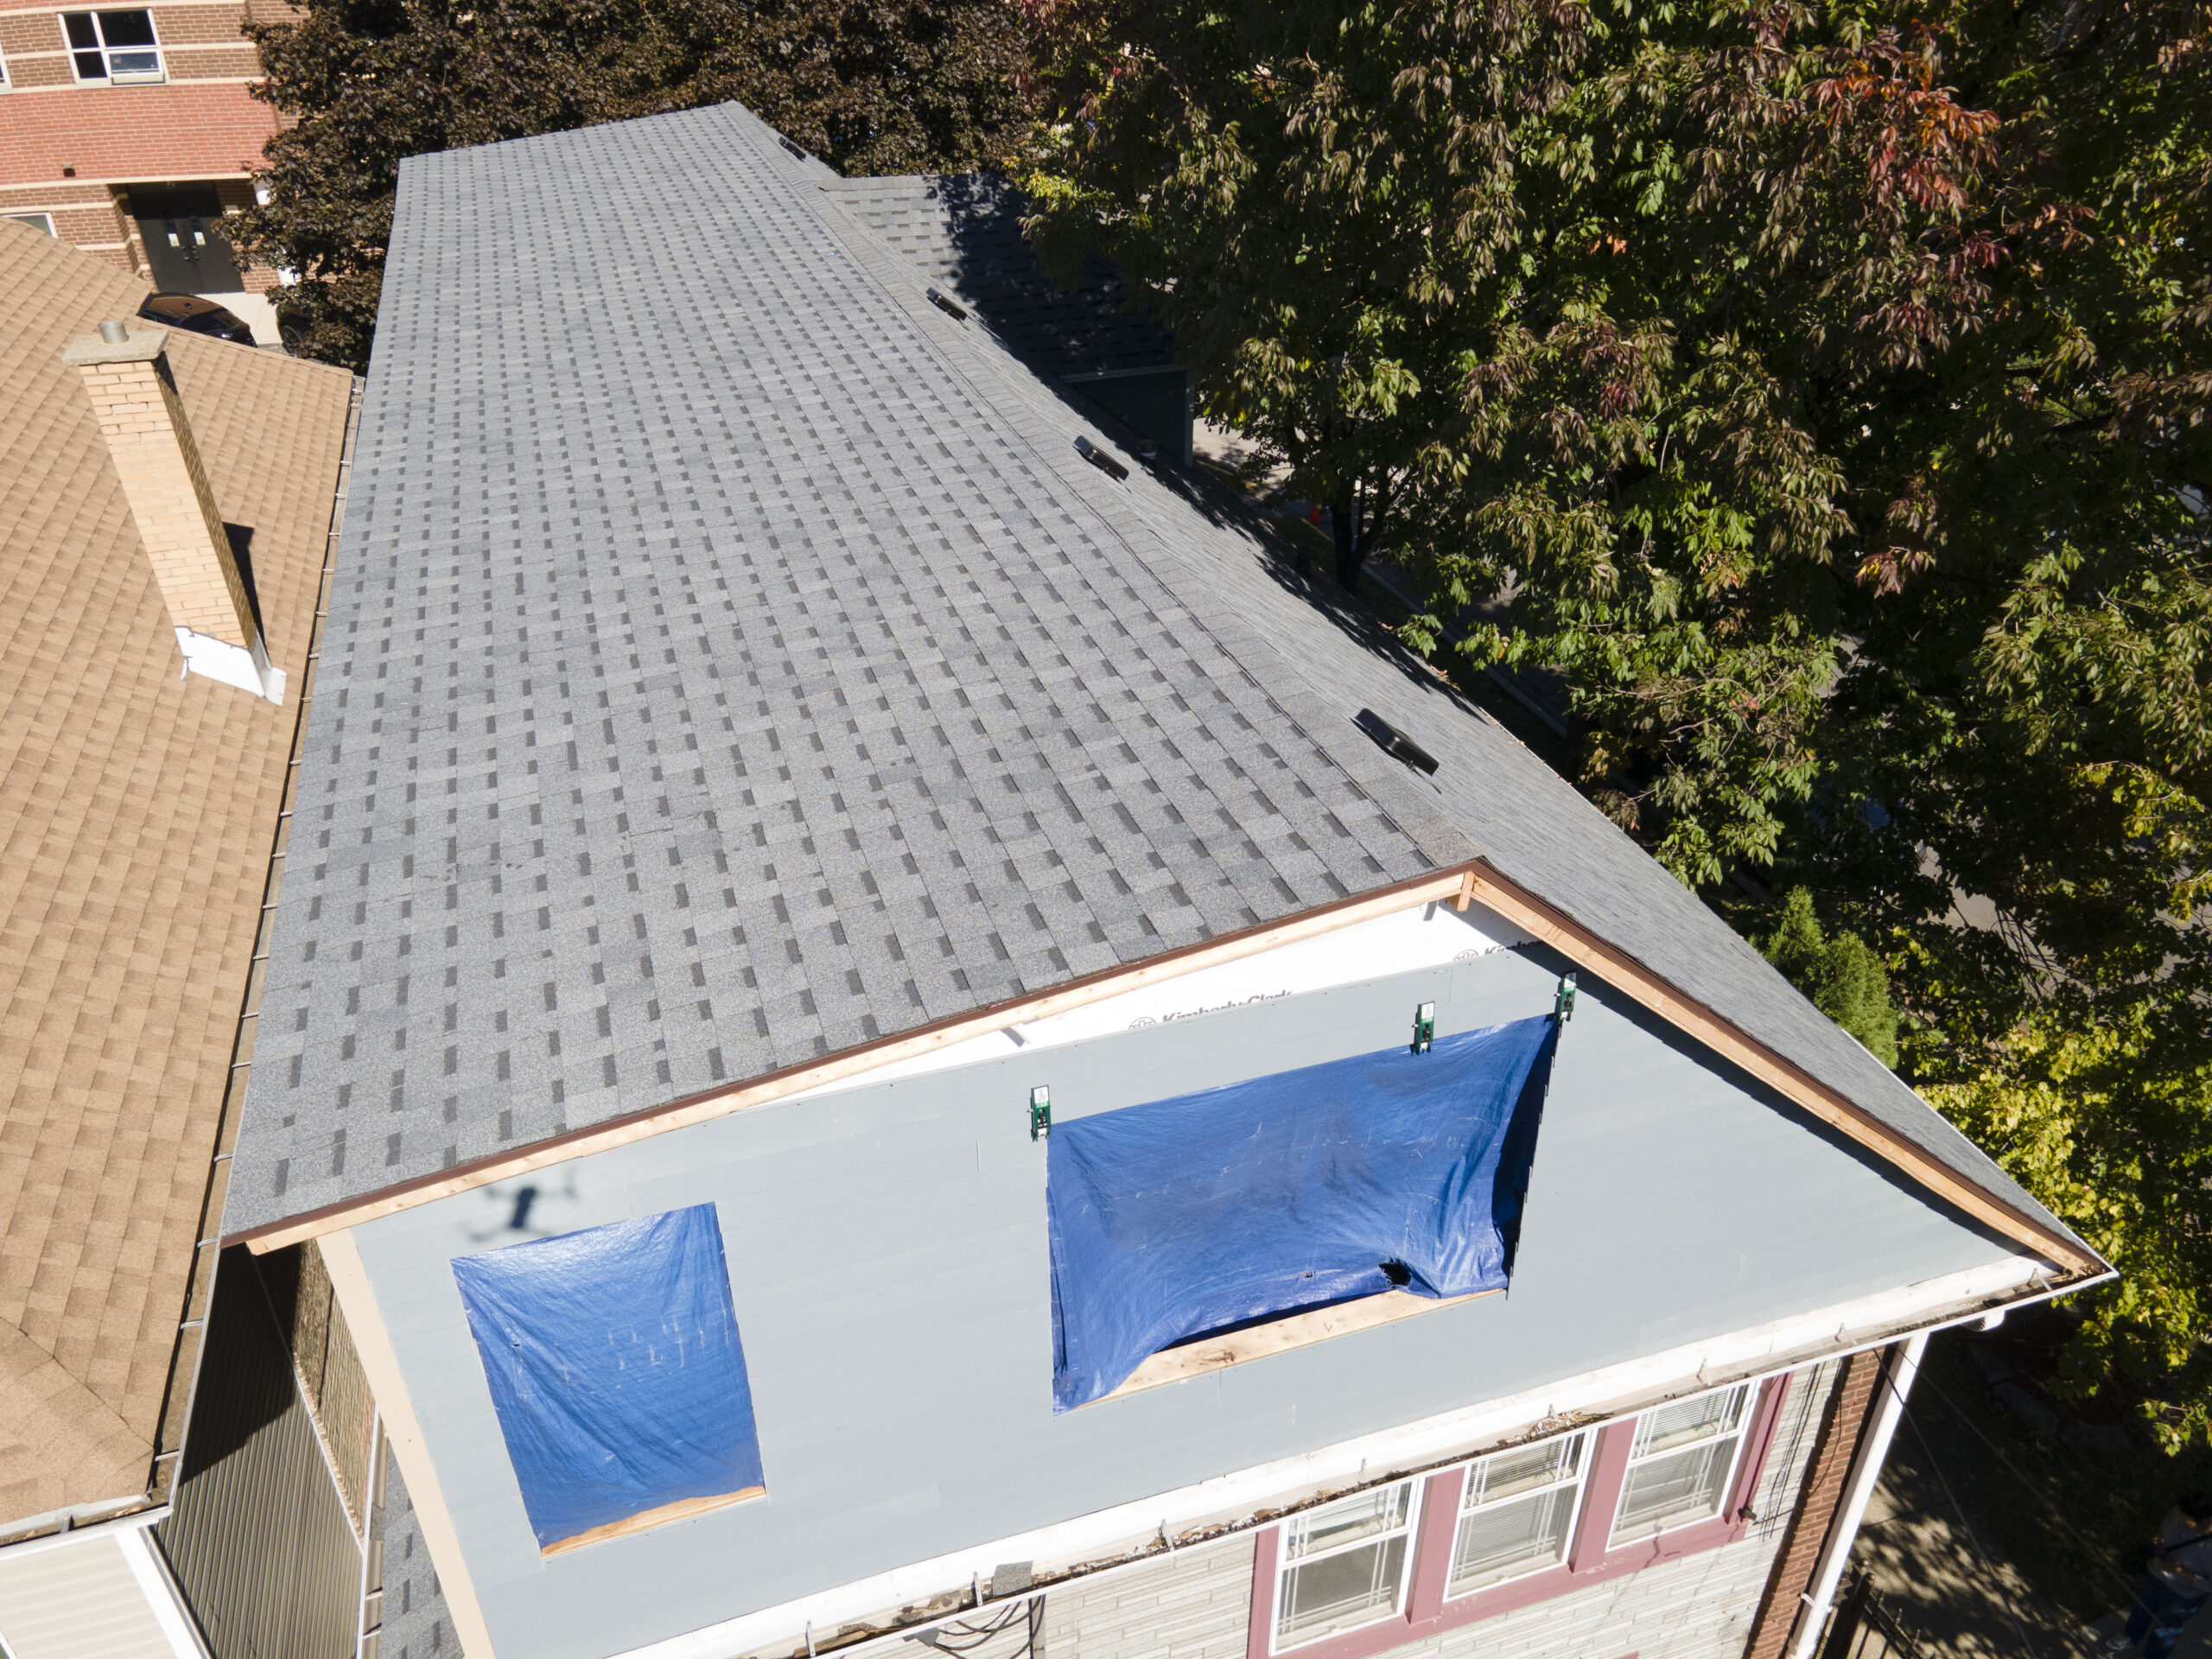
(61, 1539)
(1832, 1333)
(1895, 1383)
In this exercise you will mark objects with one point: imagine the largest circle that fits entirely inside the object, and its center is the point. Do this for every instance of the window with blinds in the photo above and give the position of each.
(1681, 1463)
(1343, 1565)
(1516, 1512)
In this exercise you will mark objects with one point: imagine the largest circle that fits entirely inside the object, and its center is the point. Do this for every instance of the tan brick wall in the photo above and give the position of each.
(1842, 1425)
(171, 501)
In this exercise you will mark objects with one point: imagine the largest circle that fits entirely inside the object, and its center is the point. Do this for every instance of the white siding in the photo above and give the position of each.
(1701, 1607)
(77, 1601)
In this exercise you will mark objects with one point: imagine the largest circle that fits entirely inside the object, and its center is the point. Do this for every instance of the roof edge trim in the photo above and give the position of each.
(1435, 887)
(1473, 882)
(1569, 939)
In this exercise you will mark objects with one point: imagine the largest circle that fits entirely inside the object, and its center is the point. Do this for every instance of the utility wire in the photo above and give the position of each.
(2095, 1552)
(1974, 1538)
(1032, 1608)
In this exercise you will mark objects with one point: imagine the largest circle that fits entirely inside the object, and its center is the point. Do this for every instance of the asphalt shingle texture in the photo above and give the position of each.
(414, 1623)
(733, 658)
(137, 813)
(962, 231)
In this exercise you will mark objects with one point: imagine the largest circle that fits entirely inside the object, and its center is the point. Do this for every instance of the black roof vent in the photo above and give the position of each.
(1392, 741)
(1098, 458)
(793, 147)
(951, 308)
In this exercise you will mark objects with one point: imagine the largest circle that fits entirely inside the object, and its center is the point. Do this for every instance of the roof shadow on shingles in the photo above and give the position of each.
(1514, 812)
(1111, 694)
(964, 230)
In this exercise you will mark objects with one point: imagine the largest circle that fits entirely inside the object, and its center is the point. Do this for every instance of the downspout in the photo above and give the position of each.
(1896, 1382)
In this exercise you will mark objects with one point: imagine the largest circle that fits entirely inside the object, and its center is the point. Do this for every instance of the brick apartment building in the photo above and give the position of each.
(131, 131)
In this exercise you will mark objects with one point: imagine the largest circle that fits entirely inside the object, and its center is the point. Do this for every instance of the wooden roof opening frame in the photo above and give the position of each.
(1475, 882)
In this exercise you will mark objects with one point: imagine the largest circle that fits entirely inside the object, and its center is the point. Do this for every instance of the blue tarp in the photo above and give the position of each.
(614, 1364)
(1234, 1204)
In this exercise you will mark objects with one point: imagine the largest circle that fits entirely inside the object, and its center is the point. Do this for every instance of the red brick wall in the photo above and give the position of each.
(1841, 1428)
(182, 130)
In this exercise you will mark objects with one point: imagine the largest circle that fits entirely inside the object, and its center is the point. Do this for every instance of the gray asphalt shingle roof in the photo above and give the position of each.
(962, 231)
(732, 658)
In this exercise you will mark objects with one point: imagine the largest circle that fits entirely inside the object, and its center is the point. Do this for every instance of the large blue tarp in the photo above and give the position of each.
(1383, 1171)
(613, 1359)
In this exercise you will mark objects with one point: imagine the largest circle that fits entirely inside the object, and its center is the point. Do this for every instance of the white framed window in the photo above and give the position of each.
(1344, 1565)
(37, 221)
(1681, 1463)
(115, 49)
(1517, 1512)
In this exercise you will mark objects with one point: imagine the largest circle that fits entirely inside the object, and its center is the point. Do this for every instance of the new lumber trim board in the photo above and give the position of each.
(1435, 889)
(1279, 1335)
(683, 1510)
(356, 1299)
(1486, 886)
(1473, 882)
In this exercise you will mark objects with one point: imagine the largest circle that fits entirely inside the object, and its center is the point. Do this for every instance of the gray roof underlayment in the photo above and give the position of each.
(733, 658)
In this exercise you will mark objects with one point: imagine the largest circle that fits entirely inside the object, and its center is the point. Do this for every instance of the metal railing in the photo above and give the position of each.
(1867, 1627)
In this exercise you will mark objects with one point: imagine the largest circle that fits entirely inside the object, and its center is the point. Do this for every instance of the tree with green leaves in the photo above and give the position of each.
(1844, 979)
(897, 85)
(1826, 388)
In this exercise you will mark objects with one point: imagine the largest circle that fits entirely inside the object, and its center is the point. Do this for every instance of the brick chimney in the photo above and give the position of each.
(126, 372)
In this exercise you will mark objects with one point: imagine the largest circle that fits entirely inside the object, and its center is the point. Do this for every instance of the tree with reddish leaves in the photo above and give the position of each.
(872, 86)
(1828, 388)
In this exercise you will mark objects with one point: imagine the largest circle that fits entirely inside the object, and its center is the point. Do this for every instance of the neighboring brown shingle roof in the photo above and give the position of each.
(136, 812)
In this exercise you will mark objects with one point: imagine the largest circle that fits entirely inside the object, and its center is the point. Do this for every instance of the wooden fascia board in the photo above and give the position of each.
(1485, 887)
(1475, 882)
(1434, 888)
(357, 1301)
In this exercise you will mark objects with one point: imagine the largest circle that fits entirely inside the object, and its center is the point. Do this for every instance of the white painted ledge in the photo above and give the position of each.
(1758, 1352)
(218, 659)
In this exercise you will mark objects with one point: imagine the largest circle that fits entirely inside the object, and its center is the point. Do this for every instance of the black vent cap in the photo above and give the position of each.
(1098, 458)
(1392, 741)
(951, 307)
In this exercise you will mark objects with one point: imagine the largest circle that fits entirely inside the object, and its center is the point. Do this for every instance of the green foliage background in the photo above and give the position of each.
(869, 86)
(1826, 387)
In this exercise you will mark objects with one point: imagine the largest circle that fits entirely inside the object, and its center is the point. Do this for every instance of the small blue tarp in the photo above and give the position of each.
(1230, 1206)
(614, 1364)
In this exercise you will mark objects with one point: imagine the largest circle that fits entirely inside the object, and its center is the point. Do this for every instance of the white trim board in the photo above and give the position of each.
(1421, 936)
(143, 1554)
(1738, 1355)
